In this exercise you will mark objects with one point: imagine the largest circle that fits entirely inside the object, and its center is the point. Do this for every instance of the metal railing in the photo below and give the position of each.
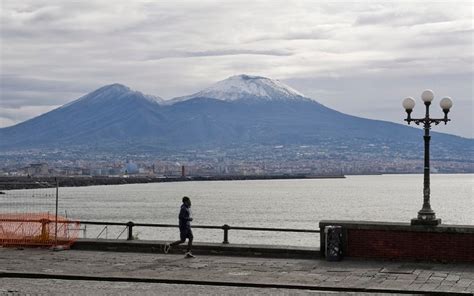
(226, 228)
(130, 225)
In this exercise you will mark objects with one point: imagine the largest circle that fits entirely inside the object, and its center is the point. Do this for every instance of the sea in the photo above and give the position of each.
(295, 203)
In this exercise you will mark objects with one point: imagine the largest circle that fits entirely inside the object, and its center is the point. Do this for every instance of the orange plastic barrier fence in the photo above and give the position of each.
(37, 229)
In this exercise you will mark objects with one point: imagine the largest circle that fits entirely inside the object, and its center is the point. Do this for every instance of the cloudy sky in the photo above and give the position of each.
(360, 58)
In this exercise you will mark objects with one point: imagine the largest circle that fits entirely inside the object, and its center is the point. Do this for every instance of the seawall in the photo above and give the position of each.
(9, 183)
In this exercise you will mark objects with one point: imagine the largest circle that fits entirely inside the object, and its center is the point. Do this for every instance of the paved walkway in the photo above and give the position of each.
(159, 271)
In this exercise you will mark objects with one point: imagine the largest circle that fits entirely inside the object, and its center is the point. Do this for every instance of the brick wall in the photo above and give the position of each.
(433, 246)
(402, 241)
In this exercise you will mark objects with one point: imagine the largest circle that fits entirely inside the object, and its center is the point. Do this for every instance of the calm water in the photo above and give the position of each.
(269, 203)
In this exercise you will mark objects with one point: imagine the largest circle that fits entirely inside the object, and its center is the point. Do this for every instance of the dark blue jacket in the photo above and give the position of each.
(185, 218)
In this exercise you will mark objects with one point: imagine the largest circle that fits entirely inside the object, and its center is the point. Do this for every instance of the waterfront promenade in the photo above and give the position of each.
(46, 272)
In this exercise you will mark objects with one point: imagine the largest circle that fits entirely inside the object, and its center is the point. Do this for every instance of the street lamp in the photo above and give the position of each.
(426, 216)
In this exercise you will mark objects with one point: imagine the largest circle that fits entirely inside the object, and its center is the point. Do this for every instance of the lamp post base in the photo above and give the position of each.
(427, 222)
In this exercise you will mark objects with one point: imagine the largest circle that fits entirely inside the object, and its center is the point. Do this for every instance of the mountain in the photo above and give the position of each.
(108, 115)
(245, 87)
(234, 114)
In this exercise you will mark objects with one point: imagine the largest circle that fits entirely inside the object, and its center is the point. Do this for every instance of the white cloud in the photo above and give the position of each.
(173, 48)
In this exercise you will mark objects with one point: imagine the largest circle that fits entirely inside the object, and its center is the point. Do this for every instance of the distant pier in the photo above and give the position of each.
(10, 183)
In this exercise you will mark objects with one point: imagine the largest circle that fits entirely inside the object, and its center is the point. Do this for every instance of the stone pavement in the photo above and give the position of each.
(15, 286)
(160, 270)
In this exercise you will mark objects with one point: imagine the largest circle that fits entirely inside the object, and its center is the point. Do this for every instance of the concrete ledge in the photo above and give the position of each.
(397, 226)
(145, 246)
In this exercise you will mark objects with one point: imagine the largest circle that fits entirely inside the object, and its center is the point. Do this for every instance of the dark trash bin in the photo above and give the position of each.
(333, 236)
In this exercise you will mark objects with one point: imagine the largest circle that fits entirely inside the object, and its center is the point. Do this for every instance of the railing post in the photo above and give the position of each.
(226, 233)
(130, 230)
(56, 214)
(44, 236)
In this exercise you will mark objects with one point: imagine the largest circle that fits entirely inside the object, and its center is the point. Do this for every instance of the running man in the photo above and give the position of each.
(185, 232)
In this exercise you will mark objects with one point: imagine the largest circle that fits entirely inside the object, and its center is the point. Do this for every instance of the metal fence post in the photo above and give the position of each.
(44, 236)
(226, 233)
(56, 214)
(130, 230)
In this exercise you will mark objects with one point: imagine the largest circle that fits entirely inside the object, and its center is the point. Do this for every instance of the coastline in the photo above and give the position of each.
(12, 183)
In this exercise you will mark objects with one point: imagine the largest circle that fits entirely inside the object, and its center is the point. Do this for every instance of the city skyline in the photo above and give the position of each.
(359, 58)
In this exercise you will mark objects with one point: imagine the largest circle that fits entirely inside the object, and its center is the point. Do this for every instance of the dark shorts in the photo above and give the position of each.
(186, 233)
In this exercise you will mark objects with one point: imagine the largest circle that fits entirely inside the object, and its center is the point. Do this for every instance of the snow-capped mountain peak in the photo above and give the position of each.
(244, 87)
(113, 93)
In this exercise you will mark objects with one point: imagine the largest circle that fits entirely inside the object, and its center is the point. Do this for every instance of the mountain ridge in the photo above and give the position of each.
(114, 117)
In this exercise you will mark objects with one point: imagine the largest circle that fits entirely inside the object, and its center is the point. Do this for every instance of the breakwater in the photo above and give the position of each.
(10, 183)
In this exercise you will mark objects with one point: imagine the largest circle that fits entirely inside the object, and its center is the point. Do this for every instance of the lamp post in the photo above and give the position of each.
(426, 216)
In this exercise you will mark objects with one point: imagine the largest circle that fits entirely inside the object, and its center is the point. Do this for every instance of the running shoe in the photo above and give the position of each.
(189, 255)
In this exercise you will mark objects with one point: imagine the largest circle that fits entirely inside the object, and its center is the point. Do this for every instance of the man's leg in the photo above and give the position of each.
(190, 239)
(182, 235)
(190, 244)
(178, 242)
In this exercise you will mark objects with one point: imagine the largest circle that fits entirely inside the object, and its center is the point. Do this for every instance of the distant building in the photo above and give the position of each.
(96, 172)
(131, 168)
(38, 169)
(115, 171)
